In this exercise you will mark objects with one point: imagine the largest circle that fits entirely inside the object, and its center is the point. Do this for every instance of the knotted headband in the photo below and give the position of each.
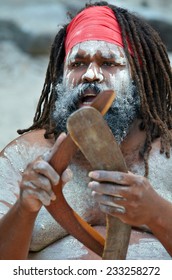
(94, 23)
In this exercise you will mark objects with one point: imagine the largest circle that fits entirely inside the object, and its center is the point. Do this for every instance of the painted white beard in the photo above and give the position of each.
(119, 118)
(122, 114)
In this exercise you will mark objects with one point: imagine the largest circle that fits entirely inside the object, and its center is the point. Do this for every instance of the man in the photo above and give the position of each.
(103, 47)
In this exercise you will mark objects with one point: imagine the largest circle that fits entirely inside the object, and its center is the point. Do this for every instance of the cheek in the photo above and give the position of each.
(120, 80)
(71, 78)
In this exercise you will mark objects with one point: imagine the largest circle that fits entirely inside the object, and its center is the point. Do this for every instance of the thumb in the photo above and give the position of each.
(48, 154)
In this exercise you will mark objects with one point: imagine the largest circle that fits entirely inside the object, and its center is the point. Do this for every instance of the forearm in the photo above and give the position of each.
(15, 233)
(161, 225)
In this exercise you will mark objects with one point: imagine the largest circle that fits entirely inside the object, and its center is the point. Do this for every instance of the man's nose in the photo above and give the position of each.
(93, 74)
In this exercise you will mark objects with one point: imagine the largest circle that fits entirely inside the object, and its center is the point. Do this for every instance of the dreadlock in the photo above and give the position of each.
(151, 74)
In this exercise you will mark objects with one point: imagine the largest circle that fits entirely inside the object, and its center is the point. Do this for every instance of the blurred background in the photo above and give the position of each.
(26, 32)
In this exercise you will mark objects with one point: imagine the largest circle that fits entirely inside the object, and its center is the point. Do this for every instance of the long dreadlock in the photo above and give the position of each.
(151, 74)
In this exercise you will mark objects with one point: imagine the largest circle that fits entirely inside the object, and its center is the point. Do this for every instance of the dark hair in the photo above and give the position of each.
(151, 72)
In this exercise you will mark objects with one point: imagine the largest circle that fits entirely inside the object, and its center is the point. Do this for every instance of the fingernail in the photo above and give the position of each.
(53, 196)
(62, 135)
(93, 193)
(69, 174)
(94, 175)
(46, 155)
(90, 184)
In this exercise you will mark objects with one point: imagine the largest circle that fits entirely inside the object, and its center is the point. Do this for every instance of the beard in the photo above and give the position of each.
(124, 109)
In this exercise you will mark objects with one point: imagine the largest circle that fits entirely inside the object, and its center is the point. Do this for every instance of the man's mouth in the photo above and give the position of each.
(87, 97)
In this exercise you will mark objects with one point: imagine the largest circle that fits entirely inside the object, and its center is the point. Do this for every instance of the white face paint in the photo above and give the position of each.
(92, 72)
(91, 67)
(93, 57)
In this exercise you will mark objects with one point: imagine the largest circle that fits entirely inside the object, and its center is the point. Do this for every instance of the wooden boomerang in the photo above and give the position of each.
(60, 209)
(92, 135)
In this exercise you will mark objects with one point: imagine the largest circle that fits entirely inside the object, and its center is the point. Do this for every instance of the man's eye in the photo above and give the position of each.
(77, 64)
(111, 63)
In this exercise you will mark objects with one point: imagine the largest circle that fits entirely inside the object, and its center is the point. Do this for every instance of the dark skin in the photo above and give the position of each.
(142, 204)
(35, 191)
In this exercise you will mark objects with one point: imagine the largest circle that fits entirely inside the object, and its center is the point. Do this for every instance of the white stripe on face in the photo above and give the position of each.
(92, 72)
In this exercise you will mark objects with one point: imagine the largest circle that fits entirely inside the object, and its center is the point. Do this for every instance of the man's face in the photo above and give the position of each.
(91, 67)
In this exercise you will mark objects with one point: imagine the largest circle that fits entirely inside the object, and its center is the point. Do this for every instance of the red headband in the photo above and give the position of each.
(93, 23)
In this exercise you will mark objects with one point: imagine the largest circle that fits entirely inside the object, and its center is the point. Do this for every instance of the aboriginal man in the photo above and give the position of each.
(103, 47)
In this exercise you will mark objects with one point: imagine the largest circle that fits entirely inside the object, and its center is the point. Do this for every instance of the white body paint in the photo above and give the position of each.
(16, 158)
(46, 230)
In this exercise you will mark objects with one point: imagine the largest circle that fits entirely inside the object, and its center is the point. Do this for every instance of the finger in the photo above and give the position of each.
(44, 168)
(67, 175)
(40, 195)
(113, 211)
(45, 198)
(109, 200)
(109, 189)
(43, 183)
(48, 154)
(117, 177)
(29, 187)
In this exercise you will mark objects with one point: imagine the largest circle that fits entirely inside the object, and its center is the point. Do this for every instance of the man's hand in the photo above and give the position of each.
(38, 179)
(126, 196)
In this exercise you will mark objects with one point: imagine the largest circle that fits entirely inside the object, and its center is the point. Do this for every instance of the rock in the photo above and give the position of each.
(35, 34)
(31, 43)
(21, 82)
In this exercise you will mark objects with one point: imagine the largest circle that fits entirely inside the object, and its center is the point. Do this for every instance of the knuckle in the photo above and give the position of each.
(44, 198)
(112, 189)
(55, 179)
(137, 193)
(25, 184)
(44, 182)
(140, 181)
(117, 175)
(40, 165)
(66, 176)
(29, 166)
(47, 155)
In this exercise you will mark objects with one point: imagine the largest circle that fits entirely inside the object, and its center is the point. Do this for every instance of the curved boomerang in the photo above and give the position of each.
(60, 209)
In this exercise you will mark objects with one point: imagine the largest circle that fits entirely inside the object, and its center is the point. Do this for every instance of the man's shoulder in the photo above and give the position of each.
(25, 149)
(29, 141)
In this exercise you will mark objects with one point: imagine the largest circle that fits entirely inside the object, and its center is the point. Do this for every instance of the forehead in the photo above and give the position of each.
(101, 48)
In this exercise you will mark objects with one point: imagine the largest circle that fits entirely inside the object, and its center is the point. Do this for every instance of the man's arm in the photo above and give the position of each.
(161, 226)
(15, 233)
(35, 190)
(17, 225)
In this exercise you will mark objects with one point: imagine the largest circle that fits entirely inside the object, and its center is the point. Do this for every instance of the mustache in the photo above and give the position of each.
(67, 102)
